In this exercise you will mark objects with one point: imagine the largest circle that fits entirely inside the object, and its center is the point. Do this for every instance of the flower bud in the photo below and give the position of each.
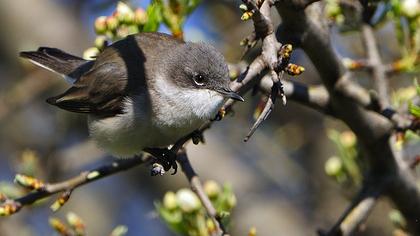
(90, 53)
(100, 25)
(410, 8)
(100, 42)
(76, 223)
(252, 231)
(112, 23)
(187, 200)
(210, 226)
(348, 139)
(231, 201)
(124, 13)
(333, 166)
(120, 230)
(212, 189)
(246, 15)
(140, 16)
(170, 201)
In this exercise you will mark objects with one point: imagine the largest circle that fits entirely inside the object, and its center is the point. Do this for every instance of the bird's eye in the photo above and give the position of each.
(199, 80)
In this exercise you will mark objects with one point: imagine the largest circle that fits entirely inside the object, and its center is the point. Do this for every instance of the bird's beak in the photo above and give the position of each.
(227, 92)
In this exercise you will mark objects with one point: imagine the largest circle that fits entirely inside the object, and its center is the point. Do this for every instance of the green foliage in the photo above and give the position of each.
(405, 14)
(184, 214)
(154, 17)
(406, 17)
(346, 168)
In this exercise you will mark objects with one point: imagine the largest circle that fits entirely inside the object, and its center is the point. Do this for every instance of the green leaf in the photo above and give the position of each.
(192, 4)
(120, 230)
(414, 110)
(416, 84)
(154, 14)
(174, 219)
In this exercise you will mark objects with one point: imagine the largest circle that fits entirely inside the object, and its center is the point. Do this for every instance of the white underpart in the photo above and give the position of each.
(176, 112)
(67, 78)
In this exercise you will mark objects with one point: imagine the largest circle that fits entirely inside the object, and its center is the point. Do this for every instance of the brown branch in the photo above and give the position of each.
(356, 214)
(273, 57)
(315, 97)
(375, 62)
(373, 131)
(197, 187)
(75, 182)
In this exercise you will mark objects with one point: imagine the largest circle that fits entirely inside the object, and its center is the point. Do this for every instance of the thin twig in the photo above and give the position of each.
(378, 68)
(356, 213)
(197, 187)
(77, 181)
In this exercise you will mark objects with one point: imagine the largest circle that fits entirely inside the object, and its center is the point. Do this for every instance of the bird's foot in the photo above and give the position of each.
(197, 137)
(165, 160)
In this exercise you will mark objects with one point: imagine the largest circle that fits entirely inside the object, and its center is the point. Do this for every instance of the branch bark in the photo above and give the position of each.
(373, 130)
(75, 182)
(197, 187)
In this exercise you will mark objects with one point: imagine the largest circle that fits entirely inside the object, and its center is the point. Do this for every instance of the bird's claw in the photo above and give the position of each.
(165, 160)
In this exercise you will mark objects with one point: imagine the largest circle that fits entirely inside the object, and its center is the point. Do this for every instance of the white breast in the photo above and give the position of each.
(170, 114)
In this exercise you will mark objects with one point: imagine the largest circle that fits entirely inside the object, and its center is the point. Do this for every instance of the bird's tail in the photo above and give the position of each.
(57, 61)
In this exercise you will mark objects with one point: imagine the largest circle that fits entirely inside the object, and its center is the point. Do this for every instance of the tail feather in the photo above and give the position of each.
(55, 60)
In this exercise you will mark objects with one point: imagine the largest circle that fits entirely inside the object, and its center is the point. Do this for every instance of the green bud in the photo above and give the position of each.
(333, 166)
(348, 139)
(212, 189)
(252, 231)
(397, 219)
(410, 8)
(243, 7)
(100, 42)
(90, 53)
(187, 200)
(170, 201)
(101, 25)
(140, 16)
(76, 223)
(112, 23)
(132, 29)
(124, 13)
(122, 31)
(231, 201)
(120, 230)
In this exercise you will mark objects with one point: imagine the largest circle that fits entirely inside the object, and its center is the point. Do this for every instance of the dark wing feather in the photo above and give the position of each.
(100, 91)
(118, 72)
(56, 60)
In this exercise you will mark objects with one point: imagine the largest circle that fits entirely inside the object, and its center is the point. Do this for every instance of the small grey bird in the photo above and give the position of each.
(145, 91)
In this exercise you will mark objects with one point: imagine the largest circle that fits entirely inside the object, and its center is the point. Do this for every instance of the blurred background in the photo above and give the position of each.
(278, 176)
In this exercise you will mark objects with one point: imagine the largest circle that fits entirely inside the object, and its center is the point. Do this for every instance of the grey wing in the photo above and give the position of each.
(119, 71)
(53, 59)
(100, 91)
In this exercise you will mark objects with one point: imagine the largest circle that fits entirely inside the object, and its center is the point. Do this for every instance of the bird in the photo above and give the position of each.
(145, 91)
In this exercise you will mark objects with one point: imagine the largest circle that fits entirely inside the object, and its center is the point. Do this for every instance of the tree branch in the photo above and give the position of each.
(315, 97)
(378, 69)
(197, 187)
(357, 213)
(75, 182)
(373, 130)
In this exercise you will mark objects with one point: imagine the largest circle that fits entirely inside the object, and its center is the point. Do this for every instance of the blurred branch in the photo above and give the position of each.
(351, 104)
(356, 214)
(374, 60)
(197, 187)
(69, 185)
